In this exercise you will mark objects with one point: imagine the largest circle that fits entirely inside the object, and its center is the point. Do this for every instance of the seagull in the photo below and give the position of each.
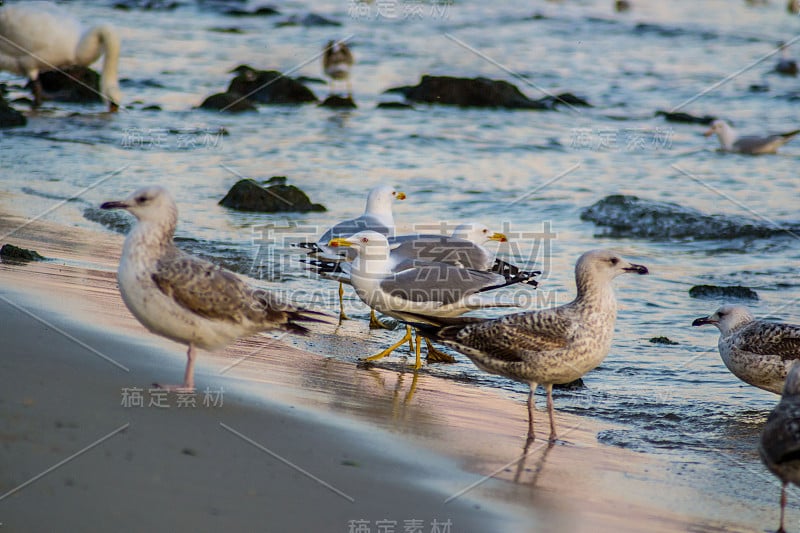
(780, 440)
(41, 36)
(748, 144)
(377, 217)
(464, 249)
(756, 351)
(421, 290)
(548, 346)
(337, 60)
(785, 65)
(185, 298)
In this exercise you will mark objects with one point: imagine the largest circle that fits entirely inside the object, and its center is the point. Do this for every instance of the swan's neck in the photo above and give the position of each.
(102, 40)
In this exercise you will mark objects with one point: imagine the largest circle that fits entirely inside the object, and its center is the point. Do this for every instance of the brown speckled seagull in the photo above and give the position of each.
(548, 346)
(185, 298)
(756, 351)
(780, 440)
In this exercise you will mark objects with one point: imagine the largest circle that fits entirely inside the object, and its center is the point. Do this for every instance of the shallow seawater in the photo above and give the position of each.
(529, 174)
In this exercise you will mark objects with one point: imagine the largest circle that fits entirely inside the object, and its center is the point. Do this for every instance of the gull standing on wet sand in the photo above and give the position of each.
(780, 440)
(731, 141)
(377, 217)
(756, 351)
(548, 346)
(337, 60)
(185, 298)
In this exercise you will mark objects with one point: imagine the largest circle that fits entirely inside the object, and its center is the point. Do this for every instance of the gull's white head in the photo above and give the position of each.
(380, 198)
(599, 266)
(727, 318)
(365, 242)
(724, 132)
(148, 204)
(477, 233)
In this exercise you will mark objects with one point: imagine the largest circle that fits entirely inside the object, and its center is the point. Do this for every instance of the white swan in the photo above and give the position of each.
(41, 36)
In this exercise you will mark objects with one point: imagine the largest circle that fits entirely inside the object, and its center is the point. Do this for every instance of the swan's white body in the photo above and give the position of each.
(41, 36)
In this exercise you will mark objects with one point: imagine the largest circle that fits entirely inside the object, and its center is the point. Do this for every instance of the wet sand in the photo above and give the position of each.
(279, 439)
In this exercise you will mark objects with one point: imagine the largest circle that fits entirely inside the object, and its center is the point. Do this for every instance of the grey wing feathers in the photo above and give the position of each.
(437, 282)
(768, 338)
(441, 249)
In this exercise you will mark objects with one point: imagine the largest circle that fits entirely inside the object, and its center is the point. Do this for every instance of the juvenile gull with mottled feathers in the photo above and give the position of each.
(185, 298)
(756, 351)
(548, 346)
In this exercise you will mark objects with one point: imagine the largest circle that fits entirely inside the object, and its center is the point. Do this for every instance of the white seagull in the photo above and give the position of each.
(548, 346)
(377, 217)
(185, 298)
(41, 36)
(420, 290)
(756, 351)
(731, 141)
(780, 439)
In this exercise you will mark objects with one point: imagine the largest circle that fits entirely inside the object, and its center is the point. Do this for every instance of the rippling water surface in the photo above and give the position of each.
(513, 170)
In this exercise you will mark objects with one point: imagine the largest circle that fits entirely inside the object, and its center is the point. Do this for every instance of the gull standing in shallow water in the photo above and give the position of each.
(337, 60)
(731, 141)
(377, 217)
(548, 346)
(421, 291)
(780, 440)
(185, 298)
(756, 351)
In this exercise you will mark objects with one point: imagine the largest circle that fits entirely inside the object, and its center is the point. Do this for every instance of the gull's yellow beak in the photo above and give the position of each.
(708, 132)
(339, 241)
(499, 237)
(400, 196)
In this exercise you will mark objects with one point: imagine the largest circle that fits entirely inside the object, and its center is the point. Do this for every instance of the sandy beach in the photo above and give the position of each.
(276, 438)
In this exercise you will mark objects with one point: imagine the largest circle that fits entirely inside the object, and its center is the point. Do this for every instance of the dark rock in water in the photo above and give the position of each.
(146, 5)
(247, 195)
(311, 19)
(395, 105)
(663, 340)
(572, 385)
(310, 79)
(567, 99)
(478, 92)
(229, 102)
(685, 117)
(152, 107)
(9, 252)
(336, 101)
(758, 88)
(714, 291)
(229, 29)
(263, 11)
(466, 92)
(115, 220)
(74, 84)
(629, 216)
(269, 87)
(10, 117)
(621, 6)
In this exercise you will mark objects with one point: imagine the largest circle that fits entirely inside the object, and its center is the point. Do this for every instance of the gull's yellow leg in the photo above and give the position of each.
(374, 323)
(393, 347)
(342, 316)
(436, 356)
(418, 361)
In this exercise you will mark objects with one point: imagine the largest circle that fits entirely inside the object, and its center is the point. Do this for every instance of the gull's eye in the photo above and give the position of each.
(486, 231)
(141, 199)
(614, 260)
(364, 239)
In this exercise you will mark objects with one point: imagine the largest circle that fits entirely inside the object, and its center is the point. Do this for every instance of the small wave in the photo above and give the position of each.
(627, 216)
